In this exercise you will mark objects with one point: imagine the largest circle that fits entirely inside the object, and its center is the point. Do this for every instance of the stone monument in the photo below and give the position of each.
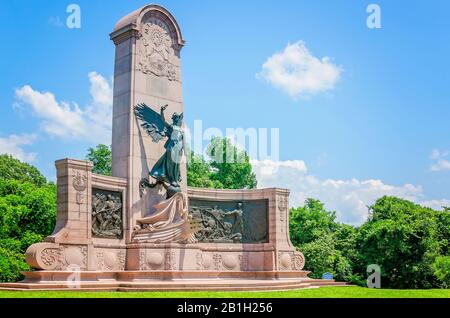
(143, 228)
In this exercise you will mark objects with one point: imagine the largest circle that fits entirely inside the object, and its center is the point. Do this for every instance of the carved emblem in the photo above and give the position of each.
(79, 183)
(156, 52)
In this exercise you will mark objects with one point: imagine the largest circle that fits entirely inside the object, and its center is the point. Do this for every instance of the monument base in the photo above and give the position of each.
(136, 281)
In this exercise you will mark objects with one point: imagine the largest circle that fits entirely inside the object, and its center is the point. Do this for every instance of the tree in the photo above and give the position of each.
(101, 157)
(227, 167)
(199, 173)
(230, 167)
(14, 169)
(441, 267)
(310, 222)
(322, 256)
(27, 215)
(328, 246)
(402, 238)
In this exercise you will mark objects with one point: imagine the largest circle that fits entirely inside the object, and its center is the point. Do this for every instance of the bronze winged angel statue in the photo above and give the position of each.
(166, 171)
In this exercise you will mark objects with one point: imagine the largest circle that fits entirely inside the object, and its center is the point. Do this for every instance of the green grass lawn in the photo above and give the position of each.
(326, 292)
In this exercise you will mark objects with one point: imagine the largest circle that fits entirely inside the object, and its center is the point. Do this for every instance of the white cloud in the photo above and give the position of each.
(440, 163)
(12, 145)
(269, 168)
(349, 198)
(68, 120)
(436, 204)
(299, 73)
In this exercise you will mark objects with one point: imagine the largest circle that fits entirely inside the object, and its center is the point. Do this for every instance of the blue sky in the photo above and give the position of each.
(380, 127)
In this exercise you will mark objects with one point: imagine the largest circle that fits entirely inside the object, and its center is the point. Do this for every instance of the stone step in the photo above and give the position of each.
(191, 285)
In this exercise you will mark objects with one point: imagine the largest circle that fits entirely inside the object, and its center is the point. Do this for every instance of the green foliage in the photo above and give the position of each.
(11, 264)
(322, 256)
(328, 246)
(441, 267)
(402, 238)
(228, 167)
(199, 173)
(443, 223)
(13, 169)
(25, 207)
(310, 222)
(27, 215)
(409, 242)
(101, 157)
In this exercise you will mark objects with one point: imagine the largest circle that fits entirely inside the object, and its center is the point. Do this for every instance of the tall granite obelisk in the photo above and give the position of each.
(147, 70)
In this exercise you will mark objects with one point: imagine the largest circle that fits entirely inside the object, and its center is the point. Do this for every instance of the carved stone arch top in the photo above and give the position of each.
(158, 41)
(135, 20)
(160, 17)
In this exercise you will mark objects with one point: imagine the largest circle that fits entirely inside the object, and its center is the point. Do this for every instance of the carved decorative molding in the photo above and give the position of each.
(142, 261)
(289, 260)
(53, 258)
(299, 261)
(121, 256)
(170, 260)
(198, 261)
(217, 261)
(243, 261)
(60, 258)
(110, 260)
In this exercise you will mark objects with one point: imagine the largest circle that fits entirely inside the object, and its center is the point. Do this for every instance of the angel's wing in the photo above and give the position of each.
(152, 122)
